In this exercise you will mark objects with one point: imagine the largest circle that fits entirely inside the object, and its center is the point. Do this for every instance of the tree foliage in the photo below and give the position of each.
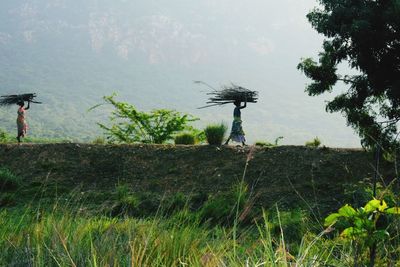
(130, 125)
(366, 35)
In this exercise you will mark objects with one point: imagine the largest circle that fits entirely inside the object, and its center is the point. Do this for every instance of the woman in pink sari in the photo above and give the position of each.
(21, 122)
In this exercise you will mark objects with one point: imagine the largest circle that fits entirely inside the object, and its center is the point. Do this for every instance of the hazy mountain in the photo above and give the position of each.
(73, 52)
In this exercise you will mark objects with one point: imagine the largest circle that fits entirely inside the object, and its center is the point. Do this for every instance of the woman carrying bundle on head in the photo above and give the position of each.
(237, 133)
(21, 122)
(8, 100)
(232, 94)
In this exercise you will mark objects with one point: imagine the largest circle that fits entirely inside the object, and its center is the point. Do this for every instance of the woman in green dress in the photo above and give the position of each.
(237, 133)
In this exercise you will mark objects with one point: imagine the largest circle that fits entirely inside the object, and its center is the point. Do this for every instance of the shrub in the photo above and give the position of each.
(129, 125)
(126, 203)
(215, 133)
(200, 135)
(221, 208)
(99, 141)
(263, 144)
(292, 223)
(149, 204)
(8, 180)
(314, 143)
(367, 227)
(185, 139)
(268, 144)
(4, 136)
(176, 202)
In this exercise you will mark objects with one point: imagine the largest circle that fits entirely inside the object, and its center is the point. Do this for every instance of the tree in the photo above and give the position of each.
(366, 35)
(130, 125)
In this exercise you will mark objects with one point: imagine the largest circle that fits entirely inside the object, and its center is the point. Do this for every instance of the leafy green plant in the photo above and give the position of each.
(130, 125)
(185, 139)
(363, 226)
(199, 135)
(316, 142)
(8, 180)
(215, 133)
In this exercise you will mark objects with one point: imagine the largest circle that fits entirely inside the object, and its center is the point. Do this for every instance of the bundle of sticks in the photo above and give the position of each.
(7, 100)
(230, 94)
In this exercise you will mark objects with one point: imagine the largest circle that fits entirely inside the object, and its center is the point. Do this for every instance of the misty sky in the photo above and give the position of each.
(161, 47)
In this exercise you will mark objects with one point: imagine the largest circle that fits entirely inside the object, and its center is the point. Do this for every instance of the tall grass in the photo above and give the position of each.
(185, 139)
(63, 239)
(215, 133)
(8, 180)
(67, 235)
(216, 234)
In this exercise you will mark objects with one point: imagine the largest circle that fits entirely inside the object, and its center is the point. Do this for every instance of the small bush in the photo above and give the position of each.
(268, 144)
(314, 143)
(126, 203)
(215, 134)
(263, 144)
(221, 208)
(200, 135)
(185, 139)
(176, 202)
(292, 223)
(3, 136)
(8, 180)
(149, 204)
(99, 141)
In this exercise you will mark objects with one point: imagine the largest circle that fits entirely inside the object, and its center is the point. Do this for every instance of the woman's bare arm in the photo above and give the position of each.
(245, 104)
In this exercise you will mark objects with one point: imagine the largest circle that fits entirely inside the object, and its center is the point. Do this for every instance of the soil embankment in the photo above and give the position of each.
(288, 175)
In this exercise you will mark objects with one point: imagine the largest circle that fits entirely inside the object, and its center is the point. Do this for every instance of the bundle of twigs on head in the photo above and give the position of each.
(7, 100)
(230, 94)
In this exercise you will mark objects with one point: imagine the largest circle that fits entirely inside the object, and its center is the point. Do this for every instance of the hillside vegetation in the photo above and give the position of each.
(165, 205)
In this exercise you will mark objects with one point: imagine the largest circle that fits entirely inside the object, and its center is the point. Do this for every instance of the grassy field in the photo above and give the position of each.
(65, 208)
(65, 233)
(33, 238)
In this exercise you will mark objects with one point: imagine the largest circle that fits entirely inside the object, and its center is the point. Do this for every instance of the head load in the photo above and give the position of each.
(7, 100)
